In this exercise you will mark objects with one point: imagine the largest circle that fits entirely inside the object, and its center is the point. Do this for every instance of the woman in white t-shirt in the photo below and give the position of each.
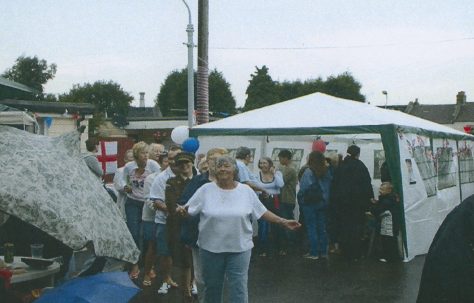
(226, 209)
(134, 175)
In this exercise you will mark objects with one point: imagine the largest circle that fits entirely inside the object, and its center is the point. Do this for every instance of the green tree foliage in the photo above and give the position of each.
(108, 97)
(220, 96)
(31, 72)
(344, 86)
(262, 90)
(49, 98)
(173, 96)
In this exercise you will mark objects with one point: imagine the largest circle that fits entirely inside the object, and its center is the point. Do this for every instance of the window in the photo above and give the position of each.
(424, 160)
(466, 163)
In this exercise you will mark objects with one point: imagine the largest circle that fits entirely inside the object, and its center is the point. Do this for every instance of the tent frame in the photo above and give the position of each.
(388, 133)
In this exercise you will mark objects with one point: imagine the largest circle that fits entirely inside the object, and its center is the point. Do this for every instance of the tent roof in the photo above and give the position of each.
(321, 114)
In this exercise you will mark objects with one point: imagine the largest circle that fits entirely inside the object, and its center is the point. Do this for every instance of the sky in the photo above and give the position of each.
(421, 49)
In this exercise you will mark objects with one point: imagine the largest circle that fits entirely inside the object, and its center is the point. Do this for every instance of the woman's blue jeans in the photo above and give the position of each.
(315, 221)
(230, 267)
(133, 213)
(263, 236)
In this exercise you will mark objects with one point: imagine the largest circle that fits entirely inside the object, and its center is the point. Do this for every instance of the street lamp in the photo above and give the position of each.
(190, 44)
(386, 97)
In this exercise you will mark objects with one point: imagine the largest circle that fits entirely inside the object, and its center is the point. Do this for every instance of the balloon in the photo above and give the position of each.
(319, 145)
(179, 134)
(191, 145)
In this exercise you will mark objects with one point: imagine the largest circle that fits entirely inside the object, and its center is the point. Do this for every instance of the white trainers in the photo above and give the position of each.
(163, 290)
(311, 257)
(194, 290)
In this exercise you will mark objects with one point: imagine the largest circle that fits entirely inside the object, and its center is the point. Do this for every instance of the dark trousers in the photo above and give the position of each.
(351, 237)
(389, 247)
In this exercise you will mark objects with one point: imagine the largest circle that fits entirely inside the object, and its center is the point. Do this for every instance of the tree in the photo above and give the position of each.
(221, 99)
(31, 72)
(262, 90)
(173, 95)
(108, 97)
(344, 86)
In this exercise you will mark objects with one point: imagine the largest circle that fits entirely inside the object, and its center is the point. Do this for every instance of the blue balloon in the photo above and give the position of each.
(190, 145)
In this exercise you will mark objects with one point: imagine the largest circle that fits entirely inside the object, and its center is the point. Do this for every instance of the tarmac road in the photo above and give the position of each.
(294, 279)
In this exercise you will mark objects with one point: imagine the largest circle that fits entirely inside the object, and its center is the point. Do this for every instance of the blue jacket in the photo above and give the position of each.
(324, 182)
(190, 226)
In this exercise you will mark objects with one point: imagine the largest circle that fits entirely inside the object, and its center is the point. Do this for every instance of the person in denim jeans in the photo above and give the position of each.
(226, 208)
(319, 176)
(134, 175)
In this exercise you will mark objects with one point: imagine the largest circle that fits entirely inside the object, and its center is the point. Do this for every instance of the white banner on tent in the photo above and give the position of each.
(430, 187)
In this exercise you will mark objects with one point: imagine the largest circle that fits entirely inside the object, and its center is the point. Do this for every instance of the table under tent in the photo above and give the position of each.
(431, 165)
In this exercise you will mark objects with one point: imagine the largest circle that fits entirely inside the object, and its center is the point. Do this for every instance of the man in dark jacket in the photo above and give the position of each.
(352, 193)
(448, 273)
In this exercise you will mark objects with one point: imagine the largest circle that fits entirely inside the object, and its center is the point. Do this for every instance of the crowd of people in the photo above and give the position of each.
(203, 216)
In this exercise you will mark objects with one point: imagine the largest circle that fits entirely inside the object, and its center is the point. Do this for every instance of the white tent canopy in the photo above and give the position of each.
(431, 165)
(315, 111)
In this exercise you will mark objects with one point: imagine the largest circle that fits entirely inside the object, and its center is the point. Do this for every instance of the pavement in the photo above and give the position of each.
(292, 279)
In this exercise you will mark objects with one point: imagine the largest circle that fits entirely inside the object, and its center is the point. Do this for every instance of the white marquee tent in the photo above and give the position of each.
(431, 165)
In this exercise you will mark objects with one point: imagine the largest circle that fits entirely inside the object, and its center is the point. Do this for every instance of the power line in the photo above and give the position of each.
(344, 46)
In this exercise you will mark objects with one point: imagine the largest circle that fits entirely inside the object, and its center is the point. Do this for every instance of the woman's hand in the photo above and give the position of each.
(127, 189)
(290, 224)
(182, 211)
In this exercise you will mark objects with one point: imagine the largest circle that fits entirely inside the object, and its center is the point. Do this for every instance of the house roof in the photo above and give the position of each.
(439, 113)
(50, 107)
(15, 85)
(140, 113)
(466, 114)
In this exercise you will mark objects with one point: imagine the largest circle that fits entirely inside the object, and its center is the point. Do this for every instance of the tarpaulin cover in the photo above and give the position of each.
(113, 287)
(46, 183)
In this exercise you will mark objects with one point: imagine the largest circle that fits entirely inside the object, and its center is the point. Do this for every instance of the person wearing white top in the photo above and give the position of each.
(148, 218)
(157, 196)
(226, 208)
(134, 175)
(243, 157)
(271, 181)
(119, 183)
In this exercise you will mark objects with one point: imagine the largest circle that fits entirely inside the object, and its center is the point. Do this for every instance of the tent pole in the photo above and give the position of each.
(392, 157)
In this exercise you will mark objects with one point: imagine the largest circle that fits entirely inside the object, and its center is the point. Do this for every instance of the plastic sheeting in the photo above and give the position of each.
(46, 184)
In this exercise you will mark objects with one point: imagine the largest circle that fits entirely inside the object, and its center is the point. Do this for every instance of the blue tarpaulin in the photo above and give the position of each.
(105, 287)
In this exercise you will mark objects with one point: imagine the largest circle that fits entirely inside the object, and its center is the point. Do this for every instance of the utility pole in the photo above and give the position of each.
(190, 44)
(202, 99)
(384, 92)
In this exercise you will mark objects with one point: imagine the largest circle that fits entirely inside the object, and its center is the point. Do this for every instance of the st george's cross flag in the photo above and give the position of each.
(107, 156)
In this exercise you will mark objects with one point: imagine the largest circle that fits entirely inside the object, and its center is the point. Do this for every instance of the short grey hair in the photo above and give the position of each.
(228, 160)
(242, 152)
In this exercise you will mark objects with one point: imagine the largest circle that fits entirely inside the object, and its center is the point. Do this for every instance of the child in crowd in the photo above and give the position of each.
(386, 211)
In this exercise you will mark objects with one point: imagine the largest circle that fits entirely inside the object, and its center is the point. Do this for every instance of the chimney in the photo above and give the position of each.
(142, 99)
(461, 98)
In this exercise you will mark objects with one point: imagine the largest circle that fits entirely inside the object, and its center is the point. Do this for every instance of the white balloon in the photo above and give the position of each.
(179, 134)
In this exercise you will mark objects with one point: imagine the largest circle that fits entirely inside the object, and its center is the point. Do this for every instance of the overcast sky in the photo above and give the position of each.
(412, 49)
